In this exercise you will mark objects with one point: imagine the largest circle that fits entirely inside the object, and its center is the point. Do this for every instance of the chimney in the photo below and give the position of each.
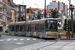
(53, 0)
(30, 10)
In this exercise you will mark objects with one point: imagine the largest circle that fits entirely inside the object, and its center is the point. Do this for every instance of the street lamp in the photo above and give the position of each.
(71, 8)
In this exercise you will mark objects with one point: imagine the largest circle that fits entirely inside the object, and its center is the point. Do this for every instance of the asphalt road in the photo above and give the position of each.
(8, 42)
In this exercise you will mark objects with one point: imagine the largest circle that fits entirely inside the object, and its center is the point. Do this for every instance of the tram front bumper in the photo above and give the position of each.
(51, 36)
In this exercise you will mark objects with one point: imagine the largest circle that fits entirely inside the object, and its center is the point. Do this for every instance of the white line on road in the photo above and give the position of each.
(20, 43)
(21, 39)
(28, 39)
(34, 39)
(2, 40)
(14, 39)
(8, 39)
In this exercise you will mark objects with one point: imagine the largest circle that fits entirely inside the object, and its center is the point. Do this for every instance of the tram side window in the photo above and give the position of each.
(36, 27)
(21, 28)
(9, 28)
(17, 28)
(27, 27)
(12, 28)
(42, 26)
(33, 27)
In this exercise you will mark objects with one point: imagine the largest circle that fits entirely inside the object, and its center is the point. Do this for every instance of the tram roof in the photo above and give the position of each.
(38, 20)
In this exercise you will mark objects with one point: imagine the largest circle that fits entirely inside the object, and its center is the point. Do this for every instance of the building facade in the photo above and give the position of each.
(7, 14)
(62, 9)
(1, 15)
(60, 6)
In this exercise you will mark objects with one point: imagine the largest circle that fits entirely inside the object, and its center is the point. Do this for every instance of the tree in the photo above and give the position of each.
(54, 13)
(39, 15)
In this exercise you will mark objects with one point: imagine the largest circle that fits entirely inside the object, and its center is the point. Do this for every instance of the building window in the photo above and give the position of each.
(17, 9)
(27, 16)
(36, 27)
(22, 8)
(17, 15)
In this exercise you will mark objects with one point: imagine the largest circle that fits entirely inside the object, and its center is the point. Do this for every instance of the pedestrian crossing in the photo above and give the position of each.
(62, 45)
(16, 39)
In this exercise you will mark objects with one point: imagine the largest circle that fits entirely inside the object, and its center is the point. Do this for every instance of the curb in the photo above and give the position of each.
(67, 39)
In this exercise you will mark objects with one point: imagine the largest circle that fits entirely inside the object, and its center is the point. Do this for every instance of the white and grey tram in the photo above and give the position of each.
(42, 28)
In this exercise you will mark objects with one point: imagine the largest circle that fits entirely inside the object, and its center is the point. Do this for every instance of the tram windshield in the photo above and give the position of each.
(51, 26)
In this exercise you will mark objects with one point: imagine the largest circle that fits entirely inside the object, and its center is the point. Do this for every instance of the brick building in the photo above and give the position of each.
(1, 15)
(11, 13)
(7, 6)
(62, 8)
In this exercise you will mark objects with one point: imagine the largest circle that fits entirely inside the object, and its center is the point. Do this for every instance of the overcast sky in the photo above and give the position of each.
(40, 3)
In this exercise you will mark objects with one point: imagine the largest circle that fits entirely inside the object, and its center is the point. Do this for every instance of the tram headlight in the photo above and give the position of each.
(46, 32)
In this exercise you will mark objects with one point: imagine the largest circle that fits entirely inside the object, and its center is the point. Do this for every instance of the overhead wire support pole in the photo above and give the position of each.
(69, 7)
(69, 20)
(45, 8)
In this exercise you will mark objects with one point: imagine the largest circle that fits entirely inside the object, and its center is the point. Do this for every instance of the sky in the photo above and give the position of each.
(40, 3)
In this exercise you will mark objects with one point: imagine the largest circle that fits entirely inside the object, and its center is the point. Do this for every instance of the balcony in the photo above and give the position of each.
(8, 16)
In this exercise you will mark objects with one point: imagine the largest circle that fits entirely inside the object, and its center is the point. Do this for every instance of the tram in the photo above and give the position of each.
(42, 28)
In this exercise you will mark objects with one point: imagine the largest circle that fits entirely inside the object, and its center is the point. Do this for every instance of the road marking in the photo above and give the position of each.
(8, 39)
(28, 39)
(14, 39)
(20, 43)
(34, 39)
(21, 39)
(2, 40)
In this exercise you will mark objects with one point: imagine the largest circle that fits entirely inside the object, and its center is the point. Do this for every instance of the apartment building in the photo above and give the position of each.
(8, 5)
(1, 15)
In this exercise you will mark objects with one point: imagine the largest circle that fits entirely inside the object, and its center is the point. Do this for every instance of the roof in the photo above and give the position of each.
(38, 20)
(40, 10)
(12, 1)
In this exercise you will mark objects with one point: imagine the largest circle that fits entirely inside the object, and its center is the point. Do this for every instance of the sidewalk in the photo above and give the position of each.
(3, 33)
(64, 38)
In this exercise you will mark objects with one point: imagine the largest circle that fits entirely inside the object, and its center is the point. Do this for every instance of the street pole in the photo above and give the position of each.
(69, 21)
(19, 14)
(69, 7)
(45, 8)
(67, 28)
(25, 21)
(72, 21)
